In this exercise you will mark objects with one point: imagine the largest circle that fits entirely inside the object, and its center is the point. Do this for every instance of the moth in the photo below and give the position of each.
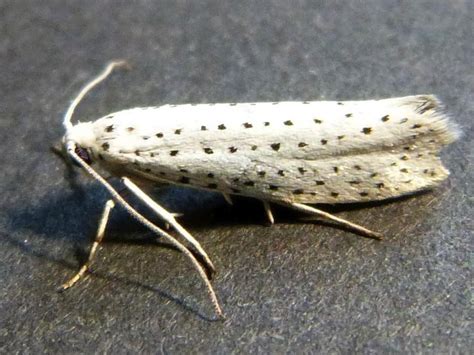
(291, 153)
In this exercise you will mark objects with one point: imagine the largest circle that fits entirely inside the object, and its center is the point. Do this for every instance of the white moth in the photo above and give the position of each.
(291, 153)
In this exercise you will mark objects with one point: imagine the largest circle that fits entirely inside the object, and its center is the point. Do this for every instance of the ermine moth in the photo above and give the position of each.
(291, 153)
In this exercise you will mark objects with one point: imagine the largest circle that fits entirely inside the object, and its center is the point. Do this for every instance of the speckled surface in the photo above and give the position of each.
(295, 286)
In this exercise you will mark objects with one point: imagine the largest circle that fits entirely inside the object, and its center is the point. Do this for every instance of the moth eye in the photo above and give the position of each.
(83, 154)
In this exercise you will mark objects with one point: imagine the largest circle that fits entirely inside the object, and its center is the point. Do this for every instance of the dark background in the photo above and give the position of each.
(297, 285)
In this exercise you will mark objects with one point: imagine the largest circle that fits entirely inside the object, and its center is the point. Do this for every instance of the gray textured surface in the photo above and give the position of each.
(292, 286)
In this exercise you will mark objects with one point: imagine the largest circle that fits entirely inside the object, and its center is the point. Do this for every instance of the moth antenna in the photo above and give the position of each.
(70, 145)
(88, 87)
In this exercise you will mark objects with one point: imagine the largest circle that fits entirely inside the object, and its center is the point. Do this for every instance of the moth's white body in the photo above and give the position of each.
(308, 152)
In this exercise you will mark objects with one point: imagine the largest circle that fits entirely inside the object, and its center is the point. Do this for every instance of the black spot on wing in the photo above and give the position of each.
(184, 180)
(275, 146)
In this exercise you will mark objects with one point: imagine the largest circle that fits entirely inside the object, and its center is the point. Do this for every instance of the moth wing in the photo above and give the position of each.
(303, 152)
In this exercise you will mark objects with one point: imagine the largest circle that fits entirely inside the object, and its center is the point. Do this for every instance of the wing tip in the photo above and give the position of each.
(433, 110)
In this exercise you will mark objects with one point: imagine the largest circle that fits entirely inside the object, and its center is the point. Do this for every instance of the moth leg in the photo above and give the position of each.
(70, 147)
(227, 198)
(268, 211)
(353, 226)
(169, 219)
(109, 205)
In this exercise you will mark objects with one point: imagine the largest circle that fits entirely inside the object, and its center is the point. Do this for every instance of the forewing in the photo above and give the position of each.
(292, 151)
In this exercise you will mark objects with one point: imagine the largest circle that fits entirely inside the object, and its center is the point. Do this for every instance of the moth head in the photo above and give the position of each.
(80, 139)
